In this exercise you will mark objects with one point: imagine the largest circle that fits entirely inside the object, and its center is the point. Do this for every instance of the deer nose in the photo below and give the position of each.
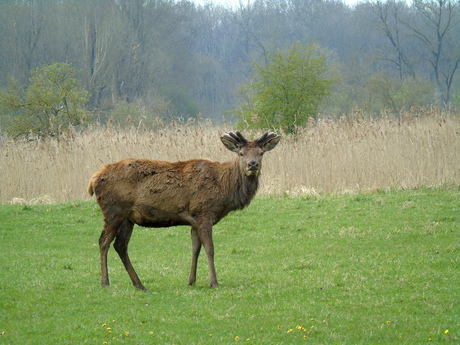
(253, 165)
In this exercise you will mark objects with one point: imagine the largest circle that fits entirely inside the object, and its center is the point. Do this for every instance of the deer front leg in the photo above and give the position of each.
(196, 248)
(205, 235)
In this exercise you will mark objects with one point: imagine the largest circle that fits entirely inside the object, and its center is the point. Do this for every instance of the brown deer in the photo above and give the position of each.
(197, 192)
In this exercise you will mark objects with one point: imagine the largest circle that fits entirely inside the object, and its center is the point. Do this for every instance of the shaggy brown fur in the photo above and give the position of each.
(197, 192)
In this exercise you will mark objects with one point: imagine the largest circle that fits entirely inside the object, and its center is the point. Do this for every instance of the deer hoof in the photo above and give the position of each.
(141, 287)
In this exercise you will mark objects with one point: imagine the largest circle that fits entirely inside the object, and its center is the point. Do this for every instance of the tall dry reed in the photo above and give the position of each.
(328, 156)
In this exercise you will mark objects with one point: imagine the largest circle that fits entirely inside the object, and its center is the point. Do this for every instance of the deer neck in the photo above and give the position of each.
(244, 187)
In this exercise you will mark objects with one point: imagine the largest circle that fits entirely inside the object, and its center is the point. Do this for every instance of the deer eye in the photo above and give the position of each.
(240, 154)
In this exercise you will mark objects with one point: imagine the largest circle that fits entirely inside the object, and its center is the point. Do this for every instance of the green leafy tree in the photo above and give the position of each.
(287, 91)
(51, 103)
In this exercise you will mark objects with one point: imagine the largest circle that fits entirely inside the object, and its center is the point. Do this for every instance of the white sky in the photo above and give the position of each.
(234, 3)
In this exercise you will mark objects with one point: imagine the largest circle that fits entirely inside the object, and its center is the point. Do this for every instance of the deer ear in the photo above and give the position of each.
(270, 143)
(230, 143)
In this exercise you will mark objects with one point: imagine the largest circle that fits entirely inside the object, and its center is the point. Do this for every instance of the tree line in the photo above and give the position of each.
(176, 59)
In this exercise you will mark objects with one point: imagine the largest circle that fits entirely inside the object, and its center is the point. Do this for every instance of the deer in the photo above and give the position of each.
(197, 193)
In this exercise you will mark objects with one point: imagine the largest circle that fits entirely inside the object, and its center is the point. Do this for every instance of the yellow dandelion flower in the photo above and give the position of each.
(151, 333)
(289, 331)
(126, 333)
(108, 328)
(446, 331)
(105, 343)
(103, 325)
(237, 338)
(388, 322)
(210, 335)
(305, 337)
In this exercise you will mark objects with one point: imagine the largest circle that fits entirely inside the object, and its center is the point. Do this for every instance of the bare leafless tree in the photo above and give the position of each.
(389, 22)
(435, 29)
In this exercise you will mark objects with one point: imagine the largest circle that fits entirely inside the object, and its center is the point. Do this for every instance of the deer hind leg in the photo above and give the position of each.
(107, 236)
(196, 248)
(121, 246)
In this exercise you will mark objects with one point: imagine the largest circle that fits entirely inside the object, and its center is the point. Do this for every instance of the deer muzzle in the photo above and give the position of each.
(253, 168)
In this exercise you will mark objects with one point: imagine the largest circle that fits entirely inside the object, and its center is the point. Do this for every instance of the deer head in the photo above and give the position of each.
(250, 152)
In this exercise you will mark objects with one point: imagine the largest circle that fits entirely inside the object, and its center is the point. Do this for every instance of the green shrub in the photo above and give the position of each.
(51, 103)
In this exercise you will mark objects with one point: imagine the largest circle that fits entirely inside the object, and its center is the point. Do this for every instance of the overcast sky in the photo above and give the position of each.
(236, 2)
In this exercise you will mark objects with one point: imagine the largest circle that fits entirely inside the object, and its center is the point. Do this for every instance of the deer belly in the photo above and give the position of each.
(151, 217)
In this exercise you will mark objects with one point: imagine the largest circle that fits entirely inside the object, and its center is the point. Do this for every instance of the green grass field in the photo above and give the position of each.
(331, 269)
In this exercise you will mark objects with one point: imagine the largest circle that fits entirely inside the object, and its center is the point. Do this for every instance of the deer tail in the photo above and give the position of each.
(91, 185)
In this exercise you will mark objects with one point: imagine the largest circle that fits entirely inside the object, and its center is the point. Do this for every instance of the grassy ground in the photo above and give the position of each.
(350, 269)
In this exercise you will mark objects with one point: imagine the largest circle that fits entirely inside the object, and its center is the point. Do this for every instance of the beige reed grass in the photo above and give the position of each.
(327, 157)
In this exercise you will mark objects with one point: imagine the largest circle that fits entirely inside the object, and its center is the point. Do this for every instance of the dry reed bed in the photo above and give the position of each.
(344, 156)
(356, 156)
